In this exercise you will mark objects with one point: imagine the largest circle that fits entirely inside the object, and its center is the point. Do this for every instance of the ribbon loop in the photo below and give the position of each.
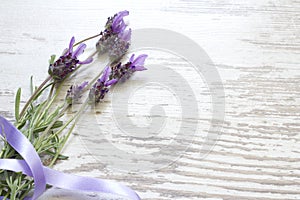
(23, 146)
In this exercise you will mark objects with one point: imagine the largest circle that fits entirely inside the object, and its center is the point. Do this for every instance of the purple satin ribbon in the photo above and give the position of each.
(32, 166)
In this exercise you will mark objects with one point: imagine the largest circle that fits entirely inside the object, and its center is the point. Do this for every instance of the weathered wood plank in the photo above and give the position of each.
(255, 46)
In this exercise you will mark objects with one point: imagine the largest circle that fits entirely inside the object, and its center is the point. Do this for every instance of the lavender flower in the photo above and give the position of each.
(74, 93)
(112, 75)
(101, 87)
(67, 62)
(123, 72)
(115, 38)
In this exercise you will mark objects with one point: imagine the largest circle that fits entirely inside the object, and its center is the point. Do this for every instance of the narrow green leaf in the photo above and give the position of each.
(60, 156)
(21, 124)
(41, 91)
(17, 104)
(57, 124)
(32, 88)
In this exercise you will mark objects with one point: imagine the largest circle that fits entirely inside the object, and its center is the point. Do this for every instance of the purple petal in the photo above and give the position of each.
(111, 82)
(105, 74)
(71, 45)
(120, 16)
(122, 26)
(123, 13)
(79, 50)
(139, 61)
(87, 61)
(118, 24)
(139, 68)
(131, 58)
(119, 27)
(125, 35)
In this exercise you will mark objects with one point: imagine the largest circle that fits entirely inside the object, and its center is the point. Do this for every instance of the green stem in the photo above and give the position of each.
(89, 38)
(51, 92)
(50, 102)
(33, 96)
(76, 118)
(54, 120)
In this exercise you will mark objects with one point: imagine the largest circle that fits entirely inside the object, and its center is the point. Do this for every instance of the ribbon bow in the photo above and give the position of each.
(31, 165)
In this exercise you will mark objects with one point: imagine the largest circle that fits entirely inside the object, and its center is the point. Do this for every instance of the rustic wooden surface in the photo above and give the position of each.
(256, 48)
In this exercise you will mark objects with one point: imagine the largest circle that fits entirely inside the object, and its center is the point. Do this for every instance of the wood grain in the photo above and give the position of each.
(255, 46)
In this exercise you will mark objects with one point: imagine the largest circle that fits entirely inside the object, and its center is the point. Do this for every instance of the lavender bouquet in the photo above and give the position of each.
(26, 159)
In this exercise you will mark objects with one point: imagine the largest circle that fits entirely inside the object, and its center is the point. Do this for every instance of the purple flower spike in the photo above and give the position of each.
(101, 87)
(74, 93)
(87, 61)
(68, 62)
(115, 38)
(123, 72)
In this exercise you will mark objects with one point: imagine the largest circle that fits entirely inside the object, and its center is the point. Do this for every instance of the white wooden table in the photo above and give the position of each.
(255, 46)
